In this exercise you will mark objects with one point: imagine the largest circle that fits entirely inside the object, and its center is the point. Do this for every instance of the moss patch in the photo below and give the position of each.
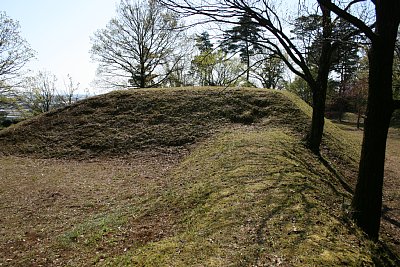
(254, 198)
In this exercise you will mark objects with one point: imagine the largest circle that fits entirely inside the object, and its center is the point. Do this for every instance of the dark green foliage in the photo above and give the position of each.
(203, 42)
(243, 39)
(308, 30)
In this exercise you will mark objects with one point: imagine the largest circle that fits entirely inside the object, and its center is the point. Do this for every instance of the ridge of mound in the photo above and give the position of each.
(120, 123)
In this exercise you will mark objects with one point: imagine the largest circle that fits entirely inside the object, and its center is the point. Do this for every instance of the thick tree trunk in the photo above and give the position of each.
(142, 82)
(319, 88)
(367, 200)
(314, 137)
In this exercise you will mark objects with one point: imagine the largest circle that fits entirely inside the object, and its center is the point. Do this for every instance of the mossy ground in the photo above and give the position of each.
(254, 198)
(181, 177)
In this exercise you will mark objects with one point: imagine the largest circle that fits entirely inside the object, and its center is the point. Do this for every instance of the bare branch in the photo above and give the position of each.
(15, 52)
(349, 5)
(228, 12)
(349, 17)
(138, 43)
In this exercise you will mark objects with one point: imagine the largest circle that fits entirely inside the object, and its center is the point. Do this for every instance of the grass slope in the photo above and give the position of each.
(253, 198)
(244, 191)
(123, 122)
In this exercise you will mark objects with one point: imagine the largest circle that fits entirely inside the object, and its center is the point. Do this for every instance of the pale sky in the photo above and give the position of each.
(59, 31)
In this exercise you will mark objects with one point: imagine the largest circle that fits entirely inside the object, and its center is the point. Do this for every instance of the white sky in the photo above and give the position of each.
(59, 31)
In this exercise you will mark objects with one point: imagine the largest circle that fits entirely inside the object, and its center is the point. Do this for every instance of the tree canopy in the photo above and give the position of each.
(139, 45)
(15, 52)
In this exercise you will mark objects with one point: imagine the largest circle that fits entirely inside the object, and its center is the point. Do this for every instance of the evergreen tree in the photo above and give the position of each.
(203, 42)
(212, 66)
(243, 39)
(203, 63)
(308, 32)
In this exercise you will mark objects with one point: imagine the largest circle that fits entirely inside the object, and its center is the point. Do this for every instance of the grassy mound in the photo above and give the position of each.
(248, 193)
(123, 122)
(248, 197)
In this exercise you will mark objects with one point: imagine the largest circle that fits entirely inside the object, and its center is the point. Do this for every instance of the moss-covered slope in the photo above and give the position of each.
(248, 193)
(254, 198)
(123, 122)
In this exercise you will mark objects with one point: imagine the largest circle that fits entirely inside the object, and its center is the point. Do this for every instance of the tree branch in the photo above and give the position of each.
(352, 3)
(350, 18)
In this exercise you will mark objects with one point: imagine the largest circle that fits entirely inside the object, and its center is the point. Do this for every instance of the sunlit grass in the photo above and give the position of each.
(179, 177)
(254, 198)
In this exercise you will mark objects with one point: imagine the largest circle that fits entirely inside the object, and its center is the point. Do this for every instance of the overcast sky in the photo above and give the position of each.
(59, 31)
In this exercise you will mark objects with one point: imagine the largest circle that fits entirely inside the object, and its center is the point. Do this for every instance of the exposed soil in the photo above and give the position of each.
(51, 197)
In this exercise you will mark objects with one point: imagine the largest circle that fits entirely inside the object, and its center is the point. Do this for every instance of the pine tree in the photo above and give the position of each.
(243, 39)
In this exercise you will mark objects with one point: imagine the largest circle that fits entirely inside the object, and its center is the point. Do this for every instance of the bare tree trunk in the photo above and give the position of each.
(248, 63)
(266, 17)
(319, 88)
(314, 137)
(367, 200)
(358, 118)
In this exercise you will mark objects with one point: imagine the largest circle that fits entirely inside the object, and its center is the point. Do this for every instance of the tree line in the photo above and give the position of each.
(23, 93)
(147, 45)
(340, 54)
(240, 55)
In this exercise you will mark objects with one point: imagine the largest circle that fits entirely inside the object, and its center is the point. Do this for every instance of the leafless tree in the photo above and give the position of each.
(139, 45)
(15, 52)
(68, 95)
(277, 41)
(40, 92)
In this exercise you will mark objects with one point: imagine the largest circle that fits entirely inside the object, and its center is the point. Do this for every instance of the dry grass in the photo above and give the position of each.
(177, 178)
(47, 204)
(125, 122)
